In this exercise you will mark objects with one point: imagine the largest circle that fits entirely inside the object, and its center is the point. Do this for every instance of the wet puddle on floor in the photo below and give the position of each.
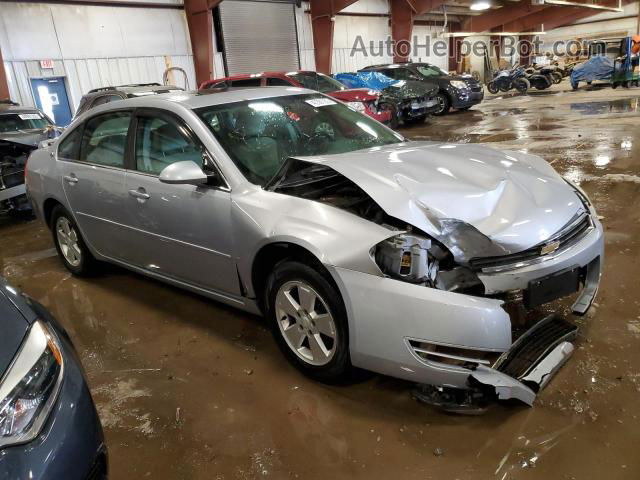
(625, 105)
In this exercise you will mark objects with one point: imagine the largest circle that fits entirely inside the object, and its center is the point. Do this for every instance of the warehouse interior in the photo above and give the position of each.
(180, 382)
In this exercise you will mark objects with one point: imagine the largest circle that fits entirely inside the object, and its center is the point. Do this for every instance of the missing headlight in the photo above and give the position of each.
(421, 260)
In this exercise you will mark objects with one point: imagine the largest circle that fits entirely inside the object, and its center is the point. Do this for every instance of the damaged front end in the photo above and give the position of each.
(441, 317)
(13, 160)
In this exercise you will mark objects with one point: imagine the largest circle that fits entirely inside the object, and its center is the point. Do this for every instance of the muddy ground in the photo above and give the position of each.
(187, 388)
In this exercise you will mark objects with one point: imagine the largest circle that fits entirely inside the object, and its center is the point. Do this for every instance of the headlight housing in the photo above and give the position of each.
(357, 106)
(459, 84)
(421, 260)
(30, 386)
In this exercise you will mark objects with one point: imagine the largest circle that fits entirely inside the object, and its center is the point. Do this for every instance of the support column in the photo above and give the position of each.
(322, 26)
(401, 26)
(4, 84)
(200, 22)
(322, 19)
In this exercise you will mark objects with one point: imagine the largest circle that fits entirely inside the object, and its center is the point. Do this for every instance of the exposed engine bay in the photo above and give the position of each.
(13, 159)
(411, 255)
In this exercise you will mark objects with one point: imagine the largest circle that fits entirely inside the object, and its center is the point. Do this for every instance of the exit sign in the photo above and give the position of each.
(46, 63)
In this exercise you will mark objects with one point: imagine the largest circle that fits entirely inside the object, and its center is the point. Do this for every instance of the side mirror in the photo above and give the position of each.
(183, 173)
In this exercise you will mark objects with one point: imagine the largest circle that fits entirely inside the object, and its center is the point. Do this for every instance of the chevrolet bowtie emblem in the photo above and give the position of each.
(550, 247)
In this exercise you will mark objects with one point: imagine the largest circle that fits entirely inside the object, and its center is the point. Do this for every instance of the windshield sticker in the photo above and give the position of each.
(30, 116)
(320, 102)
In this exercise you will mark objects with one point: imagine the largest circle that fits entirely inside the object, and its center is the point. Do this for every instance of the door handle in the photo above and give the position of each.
(71, 179)
(140, 194)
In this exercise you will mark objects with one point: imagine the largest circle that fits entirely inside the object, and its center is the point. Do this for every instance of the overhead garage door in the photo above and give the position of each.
(259, 36)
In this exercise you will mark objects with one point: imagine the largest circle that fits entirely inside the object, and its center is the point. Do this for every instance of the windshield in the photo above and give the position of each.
(317, 81)
(431, 70)
(12, 122)
(260, 135)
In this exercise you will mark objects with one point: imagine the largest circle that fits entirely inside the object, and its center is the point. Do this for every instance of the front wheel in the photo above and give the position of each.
(69, 243)
(443, 104)
(309, 321)
(492, 87)
(416, 120)
(522, 85)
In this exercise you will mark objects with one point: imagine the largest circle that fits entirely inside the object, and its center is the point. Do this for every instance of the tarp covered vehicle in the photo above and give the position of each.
(598, 67)
(412, 100)
(21, 131)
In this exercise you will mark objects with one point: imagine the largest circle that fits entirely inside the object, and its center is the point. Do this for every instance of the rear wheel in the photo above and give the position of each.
(309, 321)
(69, 243)
(443, 104)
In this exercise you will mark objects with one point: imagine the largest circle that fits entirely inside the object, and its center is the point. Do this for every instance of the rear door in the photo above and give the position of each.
(179, 231)
(91, 161)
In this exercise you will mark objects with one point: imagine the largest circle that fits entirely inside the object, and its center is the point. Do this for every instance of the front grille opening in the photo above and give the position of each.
(454, 356)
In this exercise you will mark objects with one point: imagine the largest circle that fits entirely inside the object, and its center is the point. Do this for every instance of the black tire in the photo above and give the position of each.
(395, 117)
(614, 85)
(87, 264)
(444, 105)
(521, 85)
(339, 368)
(492, 87)
(416, 120)
(557, 77)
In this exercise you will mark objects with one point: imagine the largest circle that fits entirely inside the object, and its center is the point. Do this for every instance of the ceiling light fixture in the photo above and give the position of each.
(480, 5)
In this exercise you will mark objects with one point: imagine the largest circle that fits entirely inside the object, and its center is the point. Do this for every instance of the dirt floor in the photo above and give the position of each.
(190, 389)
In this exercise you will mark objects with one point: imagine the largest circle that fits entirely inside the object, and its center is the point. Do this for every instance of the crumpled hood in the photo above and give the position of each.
(511, 200)
(30, 138)
(408, 89)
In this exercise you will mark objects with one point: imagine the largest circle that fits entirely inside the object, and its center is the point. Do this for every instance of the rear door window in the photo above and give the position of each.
(249, 82)
(104, 141)
(104, 99)
(277, 82)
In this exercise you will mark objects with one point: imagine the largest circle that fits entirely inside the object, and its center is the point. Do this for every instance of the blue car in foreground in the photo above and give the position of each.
(49, 427)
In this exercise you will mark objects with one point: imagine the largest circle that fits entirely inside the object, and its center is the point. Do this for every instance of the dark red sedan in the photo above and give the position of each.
(360, 99)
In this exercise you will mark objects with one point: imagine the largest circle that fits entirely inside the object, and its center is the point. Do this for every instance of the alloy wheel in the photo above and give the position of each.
(68, 241)
(306, 323)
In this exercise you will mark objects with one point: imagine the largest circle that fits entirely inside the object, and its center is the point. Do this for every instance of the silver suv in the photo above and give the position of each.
(361, 249)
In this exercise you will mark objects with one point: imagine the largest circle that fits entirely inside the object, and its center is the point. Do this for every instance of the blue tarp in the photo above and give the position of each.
(597, 67)
(372, 80)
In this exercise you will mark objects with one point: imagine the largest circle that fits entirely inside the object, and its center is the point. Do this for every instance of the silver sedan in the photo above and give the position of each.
(361, 249)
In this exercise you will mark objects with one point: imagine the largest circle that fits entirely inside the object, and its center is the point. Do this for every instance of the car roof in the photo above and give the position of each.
(205, 98)
(9, 108)
(248, 76)
(134, 88)
(389, 65)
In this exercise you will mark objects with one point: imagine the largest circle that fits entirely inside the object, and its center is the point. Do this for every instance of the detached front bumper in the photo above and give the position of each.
(446, 339)
(12, 192)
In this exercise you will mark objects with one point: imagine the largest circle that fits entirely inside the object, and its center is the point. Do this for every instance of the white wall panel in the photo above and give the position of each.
(85, 74)
(92, 46)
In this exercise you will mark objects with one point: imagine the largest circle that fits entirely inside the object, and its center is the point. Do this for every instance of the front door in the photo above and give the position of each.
(51, 97)
(180, 231)
(91, 160)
